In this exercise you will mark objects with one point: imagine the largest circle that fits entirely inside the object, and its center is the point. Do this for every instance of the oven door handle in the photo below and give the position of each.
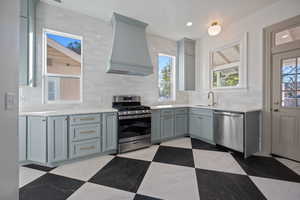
(134, 116)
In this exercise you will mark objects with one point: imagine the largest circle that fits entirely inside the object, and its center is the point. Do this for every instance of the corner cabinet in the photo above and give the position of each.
(201, 124)
(185, 64)
(110, 132)
(168, 124)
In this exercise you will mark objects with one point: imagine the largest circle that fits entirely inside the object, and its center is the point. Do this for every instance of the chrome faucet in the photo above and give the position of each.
(211, 98)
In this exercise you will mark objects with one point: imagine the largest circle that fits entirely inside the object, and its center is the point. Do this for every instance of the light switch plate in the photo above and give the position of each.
(10, 100)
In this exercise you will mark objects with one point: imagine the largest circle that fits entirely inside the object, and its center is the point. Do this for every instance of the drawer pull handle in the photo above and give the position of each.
(87, 119)
(87, 132)
(87, 148)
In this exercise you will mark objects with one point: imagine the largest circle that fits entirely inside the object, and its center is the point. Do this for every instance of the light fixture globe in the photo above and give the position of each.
(214, 29)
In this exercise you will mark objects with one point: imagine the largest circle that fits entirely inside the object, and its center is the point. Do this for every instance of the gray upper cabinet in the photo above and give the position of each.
(167, 124)
(36, 141)
(57, 139)
(185, 65)
(22, 134)
(109, 132)
(27, 41)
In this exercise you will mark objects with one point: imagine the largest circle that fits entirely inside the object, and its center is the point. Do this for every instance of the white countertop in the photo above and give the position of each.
(239, 108)
(47, 113)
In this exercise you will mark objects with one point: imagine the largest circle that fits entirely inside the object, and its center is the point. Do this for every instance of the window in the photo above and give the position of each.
(62, 67)
(166, 77)
(228, 66)
(290, 83)
(287, 36)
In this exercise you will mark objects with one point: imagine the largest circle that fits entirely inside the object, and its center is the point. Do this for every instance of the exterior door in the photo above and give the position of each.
(286, 105)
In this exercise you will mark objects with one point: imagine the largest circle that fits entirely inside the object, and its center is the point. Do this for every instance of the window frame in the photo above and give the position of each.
(242, 64)
(46, 75)
(173, 78)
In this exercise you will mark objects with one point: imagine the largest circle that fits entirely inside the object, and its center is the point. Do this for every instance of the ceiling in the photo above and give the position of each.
(168, 18)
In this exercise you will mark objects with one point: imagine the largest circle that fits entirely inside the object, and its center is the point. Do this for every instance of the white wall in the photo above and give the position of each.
(254, 25)
(9, 30)
(98, 86)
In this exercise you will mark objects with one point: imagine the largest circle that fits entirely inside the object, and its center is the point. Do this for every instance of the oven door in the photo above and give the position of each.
(134, 127)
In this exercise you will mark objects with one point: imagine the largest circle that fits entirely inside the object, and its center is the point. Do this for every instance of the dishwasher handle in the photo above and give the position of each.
(229, 114)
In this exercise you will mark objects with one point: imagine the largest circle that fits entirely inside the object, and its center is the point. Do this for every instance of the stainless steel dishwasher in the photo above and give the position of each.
(229, 130)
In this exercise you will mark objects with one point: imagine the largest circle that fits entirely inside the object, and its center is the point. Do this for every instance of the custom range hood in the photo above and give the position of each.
(130, 53)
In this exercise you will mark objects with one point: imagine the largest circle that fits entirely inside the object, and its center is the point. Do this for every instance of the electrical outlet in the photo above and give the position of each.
(10, 100)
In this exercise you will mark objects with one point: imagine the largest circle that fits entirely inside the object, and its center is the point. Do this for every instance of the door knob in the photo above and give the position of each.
(276, 110)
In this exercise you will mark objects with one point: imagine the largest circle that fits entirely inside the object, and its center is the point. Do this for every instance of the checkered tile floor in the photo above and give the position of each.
(180, 169)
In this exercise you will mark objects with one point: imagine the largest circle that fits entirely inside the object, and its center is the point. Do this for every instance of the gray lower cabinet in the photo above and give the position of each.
(109, 132)
(22, 136)
(37, 139)
(201, 124)
(57, 139)
(155, 126)
(167, 124)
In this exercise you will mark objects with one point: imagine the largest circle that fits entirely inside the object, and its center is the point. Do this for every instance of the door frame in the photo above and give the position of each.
(269, 49)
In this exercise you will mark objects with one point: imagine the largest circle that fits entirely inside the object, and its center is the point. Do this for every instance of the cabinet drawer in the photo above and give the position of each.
(180, 111)
(84, 119)
(84, 148)
(167, 112)
(199, 111)
(83, 132)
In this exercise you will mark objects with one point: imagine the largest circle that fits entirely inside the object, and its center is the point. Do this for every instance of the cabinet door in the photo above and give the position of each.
(23, 61)
(110, 132)
(206, 128)
(57, 139)
(167, 125)
(36, 142)
(155, 126)
(181, 121)
(194, 125)
(22, 133)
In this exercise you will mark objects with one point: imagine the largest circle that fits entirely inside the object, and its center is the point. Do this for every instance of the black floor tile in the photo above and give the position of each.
(176, 156)
(142, 197)
(198, 144)
(267, 167)
(122, 173)
(225, 186)
(39, 167)
(50, 187)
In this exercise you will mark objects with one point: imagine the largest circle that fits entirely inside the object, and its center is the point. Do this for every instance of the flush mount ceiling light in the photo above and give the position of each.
(214, 29)
(189, 24)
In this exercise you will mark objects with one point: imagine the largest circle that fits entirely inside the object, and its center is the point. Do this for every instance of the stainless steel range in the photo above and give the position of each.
(134, 123)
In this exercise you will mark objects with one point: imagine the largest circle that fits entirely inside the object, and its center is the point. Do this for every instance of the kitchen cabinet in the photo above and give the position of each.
(181, 122)
(109, 132)
(22, 136)
(57, 138)
(201, 124)
(27, 41)
(167, 124)
(37, 139)
(47, 139)
(185, 65)
(155, 126)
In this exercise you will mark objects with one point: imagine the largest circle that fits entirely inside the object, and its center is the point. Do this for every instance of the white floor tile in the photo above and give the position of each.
(218, 161)
(27, 175)
(277, 189)
(170, 182)
(181, 143)
(84, 169)
(143, 154)
(92, 191)
(295, 166)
